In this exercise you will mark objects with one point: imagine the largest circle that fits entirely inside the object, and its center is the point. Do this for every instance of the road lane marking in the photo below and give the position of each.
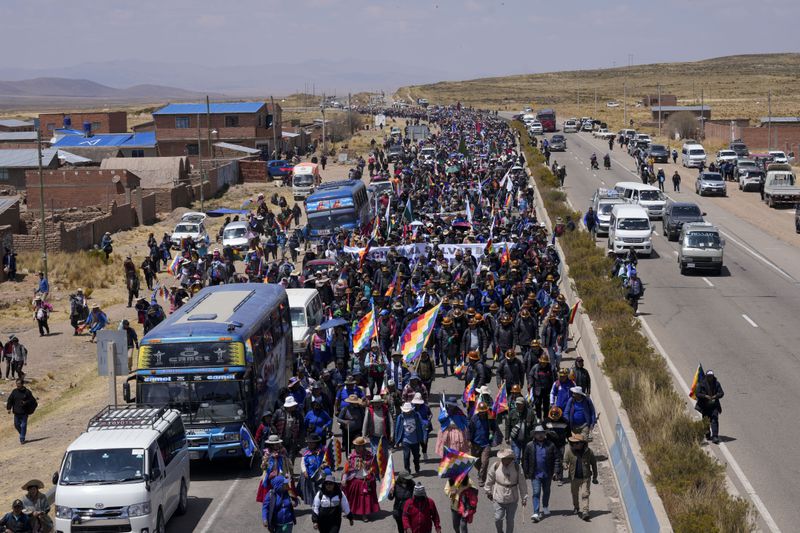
(222, 505)
(707, 281)
(758, 256)
(750, 321)
(737, 470)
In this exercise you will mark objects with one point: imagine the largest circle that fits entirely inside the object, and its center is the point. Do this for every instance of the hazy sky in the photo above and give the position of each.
(460, 39)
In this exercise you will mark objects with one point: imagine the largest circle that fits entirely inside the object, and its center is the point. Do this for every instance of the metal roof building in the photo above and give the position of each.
(14, 123)
(780, 121)
(145, 139)
(26, 158)
(17, 136)
(216, 108)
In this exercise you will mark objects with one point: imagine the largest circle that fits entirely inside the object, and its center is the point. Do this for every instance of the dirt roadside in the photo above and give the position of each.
(62, 367)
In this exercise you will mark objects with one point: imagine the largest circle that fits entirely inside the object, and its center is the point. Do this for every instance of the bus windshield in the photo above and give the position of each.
(200, 402)
(331, 219)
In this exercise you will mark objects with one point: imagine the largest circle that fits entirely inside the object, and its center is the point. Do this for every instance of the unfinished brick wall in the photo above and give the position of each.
(786, 138)
(253, 171)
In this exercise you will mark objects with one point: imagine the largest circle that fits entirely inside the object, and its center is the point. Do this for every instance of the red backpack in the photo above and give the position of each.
(468, 503)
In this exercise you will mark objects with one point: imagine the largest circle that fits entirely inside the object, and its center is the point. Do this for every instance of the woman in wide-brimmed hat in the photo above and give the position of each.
(311, 468)
(275, 463)
(359, 482)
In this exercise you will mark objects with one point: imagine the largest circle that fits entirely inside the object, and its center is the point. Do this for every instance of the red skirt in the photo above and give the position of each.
(362, 496)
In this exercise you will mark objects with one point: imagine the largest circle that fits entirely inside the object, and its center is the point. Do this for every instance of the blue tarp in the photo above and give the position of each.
(222, 211)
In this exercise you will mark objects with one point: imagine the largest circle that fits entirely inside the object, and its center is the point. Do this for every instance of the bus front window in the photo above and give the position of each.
(200, 402)
(331, 219)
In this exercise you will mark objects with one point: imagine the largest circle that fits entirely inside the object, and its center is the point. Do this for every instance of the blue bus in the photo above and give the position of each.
(220, 360)
(337, 205)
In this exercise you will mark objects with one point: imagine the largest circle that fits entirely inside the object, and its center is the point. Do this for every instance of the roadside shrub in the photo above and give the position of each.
(71, 270)
(690, 482)
(684, 124)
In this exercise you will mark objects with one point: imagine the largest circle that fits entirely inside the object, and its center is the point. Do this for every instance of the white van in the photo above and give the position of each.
(647, 196)
(235, 235)
(129, 471)
(693, 155)
(629, 228)
(305, 308)
(304, 177)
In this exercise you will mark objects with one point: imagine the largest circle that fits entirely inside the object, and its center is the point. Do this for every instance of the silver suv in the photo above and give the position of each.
(701, 247)
(710, 183)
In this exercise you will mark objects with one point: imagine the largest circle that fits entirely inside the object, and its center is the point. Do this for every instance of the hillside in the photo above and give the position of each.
(81, 88)
(735, 86)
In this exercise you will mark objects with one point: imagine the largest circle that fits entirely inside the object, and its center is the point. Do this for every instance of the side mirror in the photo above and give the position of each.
(146, 478)
(55, 478)
(704, 213)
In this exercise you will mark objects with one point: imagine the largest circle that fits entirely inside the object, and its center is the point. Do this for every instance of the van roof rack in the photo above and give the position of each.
(127, 417)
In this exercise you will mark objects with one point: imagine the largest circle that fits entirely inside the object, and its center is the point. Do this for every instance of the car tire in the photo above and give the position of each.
(183, 500)
(664, 230)
(160, 524)
(718, 272)
(683, 268)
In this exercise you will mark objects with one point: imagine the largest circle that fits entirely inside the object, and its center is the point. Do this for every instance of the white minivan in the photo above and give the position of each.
(693, 155)
(305, 309)
(647, 196)
(129, 471)
(629, 228)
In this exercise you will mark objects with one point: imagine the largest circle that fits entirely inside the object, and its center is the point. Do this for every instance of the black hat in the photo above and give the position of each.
(313, 438)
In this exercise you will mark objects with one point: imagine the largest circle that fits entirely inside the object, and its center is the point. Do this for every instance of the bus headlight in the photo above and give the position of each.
(225, 437)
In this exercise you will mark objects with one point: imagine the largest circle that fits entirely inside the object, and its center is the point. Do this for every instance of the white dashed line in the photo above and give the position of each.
(750, 321)
(707, 281)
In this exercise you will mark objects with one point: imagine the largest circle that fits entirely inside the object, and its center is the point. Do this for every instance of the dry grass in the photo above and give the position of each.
(86, 269)
(734, 87)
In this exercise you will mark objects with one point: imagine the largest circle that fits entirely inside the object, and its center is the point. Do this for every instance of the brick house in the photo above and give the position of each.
(101, 121)
(13, 124)
(14, 163)
(81, 187)
(243, 123)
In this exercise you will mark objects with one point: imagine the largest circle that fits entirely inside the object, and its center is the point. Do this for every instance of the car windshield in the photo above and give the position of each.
(696, 152)
(712, 177)
(331, 219)
(686, 211)
(633, 224)
(303, 179)
(200, 402)
(298, 317)
(234, 233)
(657, 148)
(703, 239)
(651, 196)
(116, 465)
(187, 228)
(783, 180)
(750, 164)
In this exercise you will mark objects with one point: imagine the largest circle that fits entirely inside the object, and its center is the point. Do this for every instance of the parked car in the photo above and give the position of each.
(780, 186)
(235, 235)
(676, 214)
(184, 230)
(278, 168)
(751, 179)
(710, 183)
(536, 128)
(558, 143)
(603, 133)
(659, 153)
(642, 137)
(692, 154)
(779, 157)
(740, 148)
(587, 125)
(724, 156)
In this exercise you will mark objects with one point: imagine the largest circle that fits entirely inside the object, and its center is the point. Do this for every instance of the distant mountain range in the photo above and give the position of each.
(82, 88)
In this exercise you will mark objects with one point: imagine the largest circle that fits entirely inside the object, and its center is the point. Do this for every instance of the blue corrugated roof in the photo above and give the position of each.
(123, 140)
(216, 109)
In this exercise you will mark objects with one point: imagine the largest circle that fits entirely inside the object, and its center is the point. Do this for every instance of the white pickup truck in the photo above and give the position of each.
(603, 133)
(780, 185)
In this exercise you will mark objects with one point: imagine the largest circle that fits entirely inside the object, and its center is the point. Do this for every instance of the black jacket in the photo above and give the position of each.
(582, 379)
(708, 396)
(529, 459)
(511, 371)
(20, 401)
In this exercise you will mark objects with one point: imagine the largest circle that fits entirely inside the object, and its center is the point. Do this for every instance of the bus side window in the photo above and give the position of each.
(269, 340)
(277, 326)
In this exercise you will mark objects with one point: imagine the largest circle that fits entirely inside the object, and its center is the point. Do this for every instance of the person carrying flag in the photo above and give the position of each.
(708, 393)
(463, 502)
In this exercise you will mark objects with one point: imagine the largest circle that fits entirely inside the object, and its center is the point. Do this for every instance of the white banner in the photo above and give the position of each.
(411, 251)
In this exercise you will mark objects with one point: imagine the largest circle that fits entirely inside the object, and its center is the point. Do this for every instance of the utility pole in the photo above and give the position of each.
(595, 101)
(702, 115)
(769, 117)
(324, 139)
(349, 114)
(274, 131)
(625, 103)
(41, 199)
(659, 109)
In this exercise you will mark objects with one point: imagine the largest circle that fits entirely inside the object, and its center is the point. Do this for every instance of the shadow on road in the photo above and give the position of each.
(189, 521)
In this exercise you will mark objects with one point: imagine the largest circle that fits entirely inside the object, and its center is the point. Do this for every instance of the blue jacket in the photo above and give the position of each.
(580, 413)
(319, 423)
(400, 435)
(277, 509)
(560, 395)
(481, 430)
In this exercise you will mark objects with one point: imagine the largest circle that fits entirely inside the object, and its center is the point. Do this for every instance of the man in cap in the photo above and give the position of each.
(708, 393)
(519, 424)
(288, 423)
(474, 339)
(349, 389)
(581, 376)
(510, 371)
(505, 487)
(448, 345)
(317, 421)
(482, 431)
(538, 462)
(476, 370)
(581, 466)
(420, 514)
(16, 521)
(580, 412)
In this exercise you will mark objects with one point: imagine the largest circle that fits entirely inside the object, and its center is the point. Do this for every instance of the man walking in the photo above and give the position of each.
(581, 465)
(676, 182)
(538, 463)
(409, 433)
(709, 392)
(505, 486)
(580, 413)
(481, 432)
(21, 404)
(420, 514)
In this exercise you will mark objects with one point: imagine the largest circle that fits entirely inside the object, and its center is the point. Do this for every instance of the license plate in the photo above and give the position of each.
(324, 232)
(690, 265)
(194, 456)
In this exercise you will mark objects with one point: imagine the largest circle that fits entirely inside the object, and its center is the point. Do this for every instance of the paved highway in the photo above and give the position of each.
(742, 324)
(222, 498)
